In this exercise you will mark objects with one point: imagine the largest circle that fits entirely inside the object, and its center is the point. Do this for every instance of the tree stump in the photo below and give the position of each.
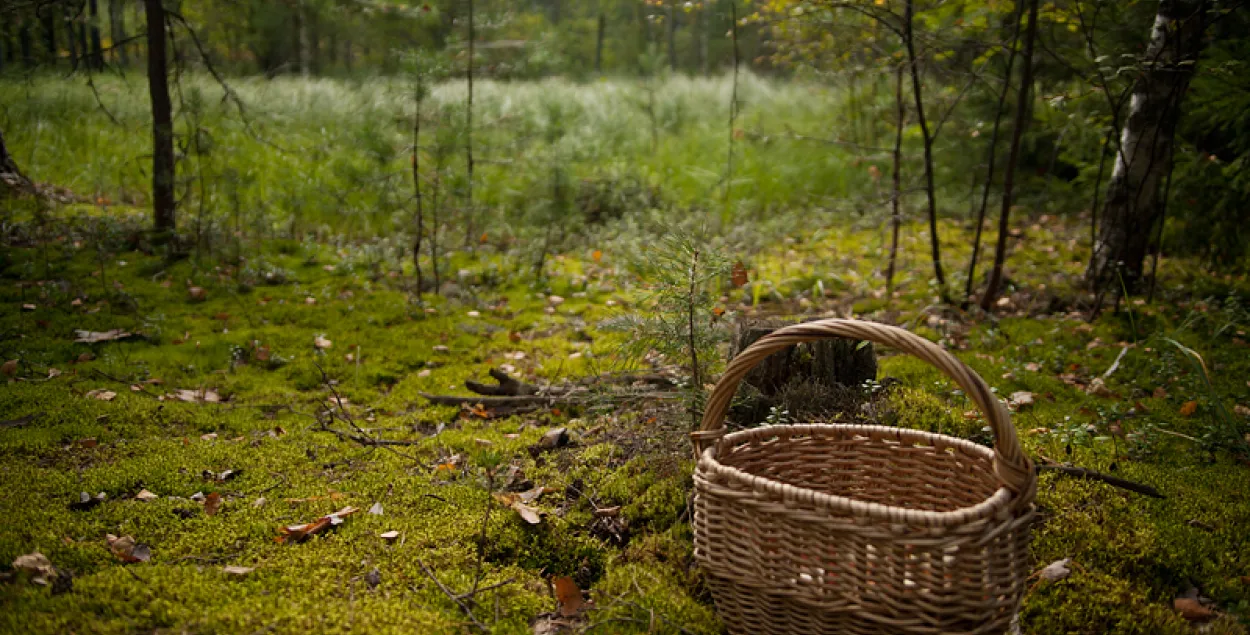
(832, 362)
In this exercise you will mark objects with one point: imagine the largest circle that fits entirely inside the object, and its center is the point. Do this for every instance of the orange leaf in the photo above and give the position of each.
(1191, 609)
(212, 503)
(568, 595)
(739, 275)
(1189, 408)
(597, 255)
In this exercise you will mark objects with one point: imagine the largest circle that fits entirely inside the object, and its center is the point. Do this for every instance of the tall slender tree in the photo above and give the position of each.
(909, 40)
(1013, 156)
(162, 119)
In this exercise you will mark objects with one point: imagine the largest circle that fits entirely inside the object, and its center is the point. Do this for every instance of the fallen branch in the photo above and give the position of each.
(454, 598)
(507, 385)
(511, 393)
(1116, 364)
(1090, 475)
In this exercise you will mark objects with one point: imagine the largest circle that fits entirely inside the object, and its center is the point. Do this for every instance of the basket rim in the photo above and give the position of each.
(992, 506)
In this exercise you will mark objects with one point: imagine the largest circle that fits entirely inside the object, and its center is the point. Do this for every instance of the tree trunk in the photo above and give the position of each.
(70, 39)
(989, 173)
(96, 61)
(11, 178)
(26, 45)
(672, 35)
(162, 120)
(896, 218)
(48, 17)
(599, 43)
(416, 184)
(909, 38)
(1013, 155)
(1134, 199)
(301, 18)
(468, 140)
(117, 30)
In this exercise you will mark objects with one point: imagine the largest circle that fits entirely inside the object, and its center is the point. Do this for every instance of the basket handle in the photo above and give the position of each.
(1012, 466)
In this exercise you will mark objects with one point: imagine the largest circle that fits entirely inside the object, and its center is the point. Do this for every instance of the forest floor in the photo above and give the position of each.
(208, 432)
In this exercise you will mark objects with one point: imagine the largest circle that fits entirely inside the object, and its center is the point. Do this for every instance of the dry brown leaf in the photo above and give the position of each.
(145, 495)
(9, 368)
(1160, 393)
(37, 565)
(596, 255)
(1033, 367)
(1241, 411)
(299, 533)
(1189, 408)
(528, 514)
(197, 294)
(101, 394)
(389, 536)
(608, 512)
(1021, 400)
(212, 503)
(568, 595)
(236, 570)
(322, 343)
(739, 274)
(1191, 609)
(127, 550)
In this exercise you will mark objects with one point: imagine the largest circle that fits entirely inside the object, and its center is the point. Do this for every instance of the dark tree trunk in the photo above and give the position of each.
(896, 216)
(909, 40)
(11, 178)
(70, 38)
(117, 29)
(468, 139)
(26, 43)
(993, 153)
(603, 20)
(96, 61)
(1134, 199)
(672, 36)
(162, 120)
(1013, 155)
(839, 361)
(48, 17)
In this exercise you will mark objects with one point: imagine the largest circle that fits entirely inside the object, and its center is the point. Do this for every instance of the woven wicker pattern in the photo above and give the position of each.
(815, 529)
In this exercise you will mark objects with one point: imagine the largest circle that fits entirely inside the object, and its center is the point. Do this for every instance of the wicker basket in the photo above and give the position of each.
(811, 529)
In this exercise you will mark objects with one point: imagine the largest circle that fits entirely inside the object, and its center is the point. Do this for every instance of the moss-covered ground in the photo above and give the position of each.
(250, 337)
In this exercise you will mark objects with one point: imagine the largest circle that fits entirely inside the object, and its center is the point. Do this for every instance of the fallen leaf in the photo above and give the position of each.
(1056, 570)
(1033, 367)
(102, 395)
(596, 255)
(1160, 393)
(54, 372)
(1099, 388)
(322, 343)
(145, 495)
(127, 550)
(1191, 609)
(439, 348)
(389, 536)
(86, 501)
(376, 509)
(568, 595)
(608, 512)
(1241, 411)
(9, 368)
(1021, 400)
(212, 503)
(300, 533)
(92, 337)
(197, 396)
(37, 565)
(738, 275)
(1189, 408)
(211, 436)
(236, 570)
(529, 514)
(197, 294)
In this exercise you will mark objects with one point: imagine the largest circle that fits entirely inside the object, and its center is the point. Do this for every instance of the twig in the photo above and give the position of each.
(470, 594)
(454, 598)
(1090, 475)
(1115, 365)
